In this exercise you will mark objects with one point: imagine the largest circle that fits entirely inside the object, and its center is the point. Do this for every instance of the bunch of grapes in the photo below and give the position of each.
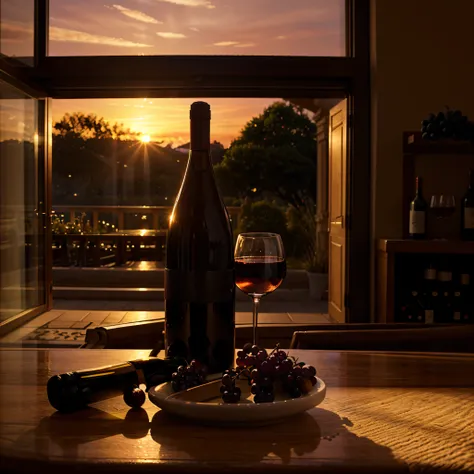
(265, 371)
(188, 376)
(449, 124)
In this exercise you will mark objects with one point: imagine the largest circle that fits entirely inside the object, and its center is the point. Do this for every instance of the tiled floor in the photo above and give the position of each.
(68, 327)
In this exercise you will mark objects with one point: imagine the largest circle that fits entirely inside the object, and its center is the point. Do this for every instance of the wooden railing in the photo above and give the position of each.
(160, 214)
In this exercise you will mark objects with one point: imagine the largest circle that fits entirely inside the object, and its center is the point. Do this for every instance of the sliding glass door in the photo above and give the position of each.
(23, 216)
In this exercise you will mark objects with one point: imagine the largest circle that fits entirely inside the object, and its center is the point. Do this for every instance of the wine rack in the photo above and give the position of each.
(430, 281)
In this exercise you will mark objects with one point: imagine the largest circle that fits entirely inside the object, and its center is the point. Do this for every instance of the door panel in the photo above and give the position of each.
(337, 209)
(22, 200)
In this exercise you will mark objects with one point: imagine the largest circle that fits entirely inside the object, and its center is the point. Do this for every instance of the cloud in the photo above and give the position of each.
(226, 43)
(281, 37)
(136, 15)
(193, 28)
(74, 36)
(235, 44)
(12, 31)
(191, 3)
(169, 35)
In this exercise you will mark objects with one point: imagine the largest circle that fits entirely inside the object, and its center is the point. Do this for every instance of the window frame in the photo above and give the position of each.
(241, 76)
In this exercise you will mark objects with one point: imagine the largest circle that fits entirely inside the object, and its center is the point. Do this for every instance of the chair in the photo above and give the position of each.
(387, 337)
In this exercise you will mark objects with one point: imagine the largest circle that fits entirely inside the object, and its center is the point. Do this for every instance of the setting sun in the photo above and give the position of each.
(145, 138)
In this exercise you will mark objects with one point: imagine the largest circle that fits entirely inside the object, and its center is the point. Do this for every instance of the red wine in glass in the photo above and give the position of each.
(260, 267)
(259, 275)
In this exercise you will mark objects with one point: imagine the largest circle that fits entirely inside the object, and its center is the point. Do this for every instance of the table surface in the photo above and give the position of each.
(384, 412)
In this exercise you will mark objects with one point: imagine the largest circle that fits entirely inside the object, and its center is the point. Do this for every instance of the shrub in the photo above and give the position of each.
(263, 216)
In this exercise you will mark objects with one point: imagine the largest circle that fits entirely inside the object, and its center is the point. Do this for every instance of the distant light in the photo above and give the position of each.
(144, 218)
(75, 194)
(125, 166)
(166, 198)
(254, 190)
(145, 138)
(70, 176)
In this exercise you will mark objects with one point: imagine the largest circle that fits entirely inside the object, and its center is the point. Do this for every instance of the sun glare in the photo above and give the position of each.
(145, 138)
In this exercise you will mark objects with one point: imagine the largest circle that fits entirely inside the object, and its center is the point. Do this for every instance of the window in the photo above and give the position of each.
(16, 28)
(198, 27)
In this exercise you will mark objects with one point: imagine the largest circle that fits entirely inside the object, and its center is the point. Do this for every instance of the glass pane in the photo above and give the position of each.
(16, 29)
(198, 27)
(21, 236)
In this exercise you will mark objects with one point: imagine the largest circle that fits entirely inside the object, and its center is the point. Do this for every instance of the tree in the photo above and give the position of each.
(275, 154)
(79, 125)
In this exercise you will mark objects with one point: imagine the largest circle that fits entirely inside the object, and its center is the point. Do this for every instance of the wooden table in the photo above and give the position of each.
(383, 413)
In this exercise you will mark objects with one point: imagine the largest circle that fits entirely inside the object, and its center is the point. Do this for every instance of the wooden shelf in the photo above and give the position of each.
(426, 246)
(414, 144)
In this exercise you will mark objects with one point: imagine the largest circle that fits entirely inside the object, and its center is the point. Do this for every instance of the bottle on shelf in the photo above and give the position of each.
(199, 274)
(445, 290)
(429, 292)
(467, 210)
(418, 208)
(462, 298)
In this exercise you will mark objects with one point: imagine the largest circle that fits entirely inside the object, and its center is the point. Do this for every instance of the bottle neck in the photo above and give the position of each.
(418, 188)
(199, 155)
(200, 135)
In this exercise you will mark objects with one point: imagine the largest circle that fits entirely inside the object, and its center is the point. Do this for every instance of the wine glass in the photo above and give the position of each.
(448, 204)
(260, 267)
(443, 205)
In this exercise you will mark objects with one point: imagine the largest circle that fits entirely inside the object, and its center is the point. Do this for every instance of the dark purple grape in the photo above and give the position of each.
(281, 355)
(240, 362)
(226, 380)
(273, 359)
(241, 354)
(297, 370)
(175, 386)
(306, 373)
(250, 360)
(263, 397)
(265, 382)
(425, 136)
(174, 375)
(254, 388)
(312, 370)
(262, 355)
(134, 397)
(313, 381)
(238, 391)
(255, 374)
(286, 366)
(255, 350)
(295, 392)
(266, 368)
(247, 347)
(181, 369)
(223, 389)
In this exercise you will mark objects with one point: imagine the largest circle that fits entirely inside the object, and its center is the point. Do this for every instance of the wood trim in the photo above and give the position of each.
(413, 144)
(41, 31)
(459, 247)
(16, 321)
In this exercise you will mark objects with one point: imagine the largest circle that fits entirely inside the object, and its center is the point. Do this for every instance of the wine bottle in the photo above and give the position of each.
(445, 285)
(429, 287)
(75, 390)
(199, 273)
(418, 207)
(467, 210)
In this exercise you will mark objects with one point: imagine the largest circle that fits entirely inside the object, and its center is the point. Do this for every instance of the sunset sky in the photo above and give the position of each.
(168, 27)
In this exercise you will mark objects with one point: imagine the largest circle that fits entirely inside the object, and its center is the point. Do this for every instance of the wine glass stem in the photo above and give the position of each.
(256, 302)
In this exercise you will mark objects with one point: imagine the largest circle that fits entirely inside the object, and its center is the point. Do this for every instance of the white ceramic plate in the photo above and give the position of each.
(204, 404)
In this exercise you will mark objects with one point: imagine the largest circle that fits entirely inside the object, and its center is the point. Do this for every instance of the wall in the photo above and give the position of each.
(422, 59)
